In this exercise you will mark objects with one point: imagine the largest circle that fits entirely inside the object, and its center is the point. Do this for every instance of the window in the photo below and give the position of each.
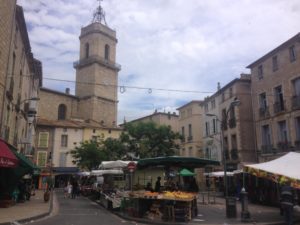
(206, 107)
(94, 138)
(282, 132)
(42, 159)
(232, 113)
(214, 125)
(189, 112)
(62, 109)
(230, 92)
(190, 130)
(62, 159)
(297, 120)
(213, 104)
(207, 132)
(233, 142)
(275, 63)
(182, 114)
(266, 135)
(64, 140)
(43, 139)
(263, 101)
(223, 97)
(296, 85)
(87, 50)
(190, 151)
(106, 54)
(279, 102)
(260, 72)
(182, 132)
(292, 53)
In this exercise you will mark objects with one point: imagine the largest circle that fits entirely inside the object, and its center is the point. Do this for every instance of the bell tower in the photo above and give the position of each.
(97, 71)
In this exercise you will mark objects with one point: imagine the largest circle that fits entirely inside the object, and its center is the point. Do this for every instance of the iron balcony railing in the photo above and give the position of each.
(279, 107)
(296, 102)
(264, 112)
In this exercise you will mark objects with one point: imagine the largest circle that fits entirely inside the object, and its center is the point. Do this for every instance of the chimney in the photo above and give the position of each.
(219, 86)
(68, 91)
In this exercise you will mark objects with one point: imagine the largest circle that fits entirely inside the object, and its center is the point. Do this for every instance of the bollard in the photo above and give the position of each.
(245, 214)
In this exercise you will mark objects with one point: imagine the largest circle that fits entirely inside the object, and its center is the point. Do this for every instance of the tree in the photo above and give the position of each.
(114, 148)
(149, 140)
(89, 154)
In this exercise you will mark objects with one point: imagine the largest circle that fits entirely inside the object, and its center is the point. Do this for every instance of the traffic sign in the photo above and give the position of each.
(131, 166)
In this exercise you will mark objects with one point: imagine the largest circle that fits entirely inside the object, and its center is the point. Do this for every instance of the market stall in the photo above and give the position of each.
(284, 168)
(176, 197)
(107, 187)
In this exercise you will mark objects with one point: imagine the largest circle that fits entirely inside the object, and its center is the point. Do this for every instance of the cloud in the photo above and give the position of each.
(170, 44)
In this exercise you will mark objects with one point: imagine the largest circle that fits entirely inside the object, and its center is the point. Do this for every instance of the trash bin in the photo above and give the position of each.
(230, 207)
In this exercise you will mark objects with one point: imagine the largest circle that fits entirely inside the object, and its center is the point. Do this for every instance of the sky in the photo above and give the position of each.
(171, 51)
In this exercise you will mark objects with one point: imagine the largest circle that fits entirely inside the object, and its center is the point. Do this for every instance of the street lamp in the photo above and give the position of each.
(236, 102)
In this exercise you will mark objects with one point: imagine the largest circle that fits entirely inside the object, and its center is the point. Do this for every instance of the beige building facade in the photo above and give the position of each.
(276, 102)
(191, 125)
(161, 118)
(20, 79)
(228, 121)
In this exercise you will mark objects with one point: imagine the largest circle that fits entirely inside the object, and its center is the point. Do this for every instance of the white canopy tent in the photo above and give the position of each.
(118, 164)
(103, 172)
(286, 167)
(218, 174)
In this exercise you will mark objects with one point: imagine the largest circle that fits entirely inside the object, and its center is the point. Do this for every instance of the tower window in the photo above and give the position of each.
(87, 50)
(62, 109)
(106, 54)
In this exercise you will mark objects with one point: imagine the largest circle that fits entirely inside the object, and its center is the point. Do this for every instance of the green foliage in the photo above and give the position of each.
(145, 140)
(149, 140)
(89, 154)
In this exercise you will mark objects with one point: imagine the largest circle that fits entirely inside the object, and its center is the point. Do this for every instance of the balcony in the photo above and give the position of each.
(234, 154)
(267, 149)
(182, 139)
(279, 107)
(97, 59)
(224, 125)
(297, 145)
(190, 138)
(264, 112)
(284, 146)
(295, 102)
(232, 122)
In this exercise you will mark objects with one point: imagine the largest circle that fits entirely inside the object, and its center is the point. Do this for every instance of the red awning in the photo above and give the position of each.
(7, 157)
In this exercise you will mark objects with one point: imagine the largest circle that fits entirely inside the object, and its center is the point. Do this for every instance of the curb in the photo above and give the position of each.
(25, 220)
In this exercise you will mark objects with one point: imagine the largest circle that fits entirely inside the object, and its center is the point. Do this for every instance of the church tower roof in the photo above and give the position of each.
(99, 15)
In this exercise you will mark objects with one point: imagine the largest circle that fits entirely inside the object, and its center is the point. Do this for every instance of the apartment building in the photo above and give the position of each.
(276, 100)
(228, 119)
(161, 118)
(190, 124)
(20, 78)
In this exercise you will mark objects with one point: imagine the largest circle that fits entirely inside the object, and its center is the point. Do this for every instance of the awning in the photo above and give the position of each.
(25, 165)
(179, 161)
(7, 157)
(281, 169)
(65, 170)
(104, 172)
(219, 174)
(118, 164)
(186, 173)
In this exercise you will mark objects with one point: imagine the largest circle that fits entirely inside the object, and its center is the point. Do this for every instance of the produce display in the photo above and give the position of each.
(178, 195)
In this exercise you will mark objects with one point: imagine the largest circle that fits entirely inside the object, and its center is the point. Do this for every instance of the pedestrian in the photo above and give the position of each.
(287, 201)
(74, 189)
(69, 189)
(157, 185)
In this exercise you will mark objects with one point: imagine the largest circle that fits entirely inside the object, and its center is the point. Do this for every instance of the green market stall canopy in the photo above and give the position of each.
(186, 173)
(179, 161)
(285, 168)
